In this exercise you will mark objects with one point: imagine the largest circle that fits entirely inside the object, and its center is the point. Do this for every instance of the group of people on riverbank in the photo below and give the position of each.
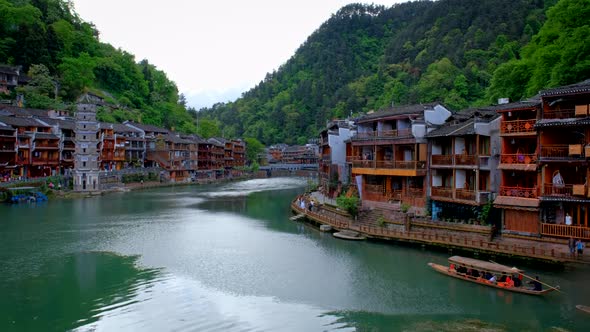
(576, 247)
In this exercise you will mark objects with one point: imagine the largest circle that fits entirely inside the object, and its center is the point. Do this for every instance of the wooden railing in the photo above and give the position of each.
(442, 159)
(384, 134)
(518, 126)
(465, 194)
(518, 158)
(389, 164)
(564, 190)
(559, 113)
(566, 231)
(519, 192)
(442, 192)
(464, 159)
(555, 151)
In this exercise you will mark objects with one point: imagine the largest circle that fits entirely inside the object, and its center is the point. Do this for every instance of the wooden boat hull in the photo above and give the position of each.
(583, 308)
(349, 235)
(445, 270)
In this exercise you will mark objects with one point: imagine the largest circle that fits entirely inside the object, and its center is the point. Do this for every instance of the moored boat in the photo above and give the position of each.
(583, 308)
(492, 274)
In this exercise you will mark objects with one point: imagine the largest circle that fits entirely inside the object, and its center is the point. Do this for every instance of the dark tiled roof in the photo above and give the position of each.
(215, 142)
(64, 124)
(520, 105)
(397, 110)
(46, 136)
(121, 128)
(21, 122)
(579, 87)
(14, 70)
(5, 126)
(19, 111)
(176, 139)
(147, 127)
(459, 129)
(195, 139)
(570, 122)
(463, 123)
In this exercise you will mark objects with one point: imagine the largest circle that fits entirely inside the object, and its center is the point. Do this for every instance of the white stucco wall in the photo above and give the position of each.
(438, 115)
(436, 149)
(419, 130)
(460, 176)
(338, 147)
(437, 180)
(459, 145)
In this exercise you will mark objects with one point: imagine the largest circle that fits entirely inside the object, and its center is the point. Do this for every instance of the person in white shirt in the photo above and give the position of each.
(568, 219)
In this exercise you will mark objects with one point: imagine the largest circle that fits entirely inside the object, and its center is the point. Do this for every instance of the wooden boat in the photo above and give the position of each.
(583, 308)
(483, 266)
(349, 235)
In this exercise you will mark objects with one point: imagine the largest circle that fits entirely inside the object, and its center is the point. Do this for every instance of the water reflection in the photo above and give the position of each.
(72, 291)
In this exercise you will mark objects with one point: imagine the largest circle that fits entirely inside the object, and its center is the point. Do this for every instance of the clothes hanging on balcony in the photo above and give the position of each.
(558, 180)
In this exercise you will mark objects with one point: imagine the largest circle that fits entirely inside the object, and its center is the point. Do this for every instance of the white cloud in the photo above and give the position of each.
(211, 49)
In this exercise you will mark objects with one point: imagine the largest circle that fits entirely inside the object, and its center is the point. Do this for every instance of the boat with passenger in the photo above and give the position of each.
(493, 274)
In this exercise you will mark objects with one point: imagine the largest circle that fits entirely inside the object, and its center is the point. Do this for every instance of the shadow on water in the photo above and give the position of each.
(73, 291)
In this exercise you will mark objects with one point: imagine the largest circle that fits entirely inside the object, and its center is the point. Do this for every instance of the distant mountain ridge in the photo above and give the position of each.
(368, 57)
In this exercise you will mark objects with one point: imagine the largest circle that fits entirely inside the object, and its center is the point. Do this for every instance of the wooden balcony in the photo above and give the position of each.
(564, 190)
(441, 192)
(389, 167)
(442, 159)
(384, 134)
(519, 192)
(517, 127)
(565, 231)
(465, 160)
(562, 151)
(465, 194)
(565, 113)
(44, 161)
(518, 158)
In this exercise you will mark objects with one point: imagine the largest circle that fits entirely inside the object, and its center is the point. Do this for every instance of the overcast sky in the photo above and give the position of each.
(213, 50)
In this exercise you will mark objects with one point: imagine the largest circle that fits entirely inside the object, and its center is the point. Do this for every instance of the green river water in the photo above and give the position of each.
(227, 258)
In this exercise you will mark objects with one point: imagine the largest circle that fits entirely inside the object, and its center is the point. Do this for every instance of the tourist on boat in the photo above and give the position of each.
(536, 284)
(492, 279)
(452, 268)
(517, 281)
(509, 282)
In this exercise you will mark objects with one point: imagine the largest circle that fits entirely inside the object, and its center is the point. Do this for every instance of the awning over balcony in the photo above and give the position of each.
(516, 202)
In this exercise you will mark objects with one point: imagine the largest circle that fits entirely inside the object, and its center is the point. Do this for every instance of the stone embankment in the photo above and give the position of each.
(387, 224)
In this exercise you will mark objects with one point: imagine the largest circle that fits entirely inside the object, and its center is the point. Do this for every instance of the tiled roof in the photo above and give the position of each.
(21, 122)
(520, 105)
(14, 70)
(570, 122)
(579, 87)
(46, 136)
(5, 126)
(65, 124)
(464, 122)
(147, 127)
(121, 128)
(19, 111)
(176, 139)
(397, 110)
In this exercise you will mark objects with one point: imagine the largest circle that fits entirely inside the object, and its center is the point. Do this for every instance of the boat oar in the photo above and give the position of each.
(529, 277)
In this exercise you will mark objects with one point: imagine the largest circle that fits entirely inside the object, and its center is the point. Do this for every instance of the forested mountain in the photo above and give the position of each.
(367, 57)
(54, 46)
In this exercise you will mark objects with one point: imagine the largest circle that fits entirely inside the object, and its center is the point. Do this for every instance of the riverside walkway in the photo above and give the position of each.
(441, 236)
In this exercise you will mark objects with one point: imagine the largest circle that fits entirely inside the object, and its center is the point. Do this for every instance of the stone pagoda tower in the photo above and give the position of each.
(86, 172)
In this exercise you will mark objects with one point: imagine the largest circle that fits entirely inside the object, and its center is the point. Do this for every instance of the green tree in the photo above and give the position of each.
(77, 74)
(253, 148)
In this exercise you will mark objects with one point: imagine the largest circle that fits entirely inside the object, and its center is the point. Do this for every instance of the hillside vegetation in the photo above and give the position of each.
(365, 57)
(462, 53)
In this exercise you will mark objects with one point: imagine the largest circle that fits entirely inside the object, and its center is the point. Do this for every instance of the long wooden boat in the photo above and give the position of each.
(487, 267)
(583, 308)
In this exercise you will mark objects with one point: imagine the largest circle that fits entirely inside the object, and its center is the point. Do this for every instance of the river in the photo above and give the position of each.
(227, 258)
